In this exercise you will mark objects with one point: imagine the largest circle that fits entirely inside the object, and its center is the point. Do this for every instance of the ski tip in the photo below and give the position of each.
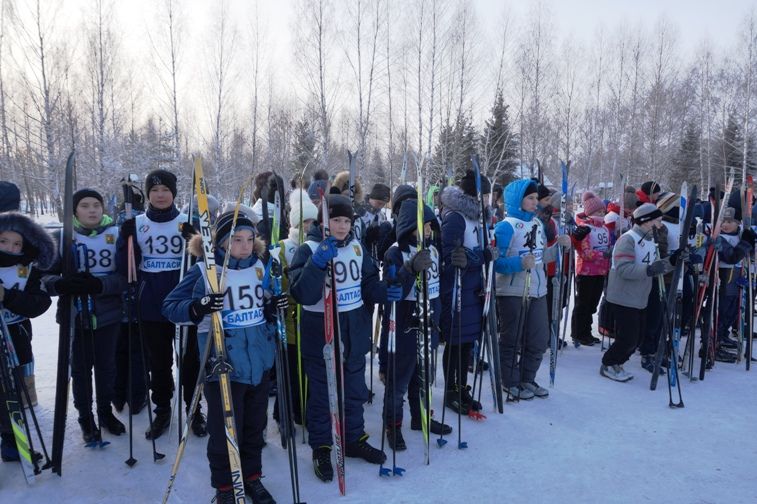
(398, 471)
(462, 445)
(441, 442)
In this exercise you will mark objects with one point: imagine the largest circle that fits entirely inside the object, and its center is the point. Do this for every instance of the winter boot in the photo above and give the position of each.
(395, 439)
(723, 355)
(254, 489)
(361, 449)
(515, 393)
(586, 340)
(224, 495)
(110, 422)
(160, 423)
(436, 427)
(615, 372)
(322, 463)
(535, 389)
(468, 399)
(453, 401)
(199, 424)
(89, 431)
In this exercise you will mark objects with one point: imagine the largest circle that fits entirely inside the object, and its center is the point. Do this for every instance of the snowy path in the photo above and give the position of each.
(592, 441)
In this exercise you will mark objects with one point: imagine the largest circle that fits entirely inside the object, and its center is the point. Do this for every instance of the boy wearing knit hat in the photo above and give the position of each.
(357, 282)
(634, 265)
(248, 309)
(649, 192)
(591, 240)
(98, 286)
(158, 248)
(373, 216)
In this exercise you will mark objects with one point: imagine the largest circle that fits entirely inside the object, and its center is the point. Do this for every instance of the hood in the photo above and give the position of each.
(10, 197)
(402, 193)
(38, 245)
(342, 182)
(454, 199)
(407, 222)
(514, 196)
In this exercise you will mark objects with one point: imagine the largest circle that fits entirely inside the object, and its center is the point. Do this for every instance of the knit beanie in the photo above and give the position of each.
(339, 206)
(223, 226)
(667, 201)
(10, 197)
(380, 192)
(729, 214)
(650, 187)
(645, 213)
(543, 191)
(592, 204)
(468, 184)
(314, 191)
(309, 211)
(531, 188)
(86, 193)
(160, 177)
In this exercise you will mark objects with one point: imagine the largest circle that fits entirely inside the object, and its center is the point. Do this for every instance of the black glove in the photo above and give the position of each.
(372, 234)
(581, 232)
(459, 258)
(679, 255)
(280, 302)
(129, 228)
(421, 261)
(66, 286)
(87, 283)
(188, 230)
(207, 304)
(748, 236)
(659, 267)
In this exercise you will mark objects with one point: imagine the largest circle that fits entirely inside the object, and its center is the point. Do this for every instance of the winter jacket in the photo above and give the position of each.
(590, 252)
(306, 287)
(153, 287)
(460, 221)
(628, 284)
(250, 349)
(21, 279)
(107, 304)
(511, 277)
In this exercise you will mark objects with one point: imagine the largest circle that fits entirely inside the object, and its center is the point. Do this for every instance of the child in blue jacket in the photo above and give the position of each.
(248, 312)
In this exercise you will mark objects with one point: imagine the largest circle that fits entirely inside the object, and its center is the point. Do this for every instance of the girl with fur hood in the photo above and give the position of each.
(461, 253)
(248, 313)
(25, 250)
(357, 281)
(98, 286)
(519, 256)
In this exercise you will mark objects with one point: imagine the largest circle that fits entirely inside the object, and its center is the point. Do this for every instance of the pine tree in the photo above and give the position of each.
(456, 145)
(686, 160)
(500, 143)
(304, 147)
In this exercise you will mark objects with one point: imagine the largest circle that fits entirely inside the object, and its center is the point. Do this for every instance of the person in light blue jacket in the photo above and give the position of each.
(248, 312)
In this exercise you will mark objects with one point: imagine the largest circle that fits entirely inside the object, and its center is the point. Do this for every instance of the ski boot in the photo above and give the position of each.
(394, 438)
(322, 463)
(110, 422)
(199, 424)
(255, 490)
(160, 423)
(361, 449)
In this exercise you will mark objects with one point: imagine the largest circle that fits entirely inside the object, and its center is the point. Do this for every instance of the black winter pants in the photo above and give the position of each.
(93, 349)
(588, 293)
(629, 324)
(250, 410)
(138, 387)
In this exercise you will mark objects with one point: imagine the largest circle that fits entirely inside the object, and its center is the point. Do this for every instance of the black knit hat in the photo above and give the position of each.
(10, 196)
(160, 177)
(380, 192)
(530, 189)
(224, 222)
(339, 206)
(650, 187)
(543, 191)
(86, 193)
(468, 184)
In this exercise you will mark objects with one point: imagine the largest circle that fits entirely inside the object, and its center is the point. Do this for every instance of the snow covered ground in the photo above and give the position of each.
(592, 441)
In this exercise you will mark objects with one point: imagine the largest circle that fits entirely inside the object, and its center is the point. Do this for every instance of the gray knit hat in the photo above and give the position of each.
(645, 213)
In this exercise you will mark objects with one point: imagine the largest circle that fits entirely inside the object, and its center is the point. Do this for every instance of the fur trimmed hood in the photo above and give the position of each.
(195, 246)
(38, 245)
(454, 199)
(342, 182)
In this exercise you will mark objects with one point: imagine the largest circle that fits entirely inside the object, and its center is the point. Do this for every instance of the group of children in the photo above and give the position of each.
(619, 256)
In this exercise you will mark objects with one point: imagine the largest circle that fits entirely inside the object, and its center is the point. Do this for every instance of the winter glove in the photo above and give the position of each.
(659, 267)
(748, 236)
(208, 304)
(581, 232)
(491, 253)
(421, 261)
(527, 262)
(87, 283)
(129, 228)
(280, 302)
(393, 293)
(76, 285)
(459, 258)
(563, 241)
(325, 252)
(607, 254)
(696, 259)
(188, 230)
(372, 234)
(679, 255)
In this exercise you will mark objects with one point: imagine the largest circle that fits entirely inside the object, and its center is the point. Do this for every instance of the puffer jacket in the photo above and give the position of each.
(591, 261)
(510, 276)
(250, 350)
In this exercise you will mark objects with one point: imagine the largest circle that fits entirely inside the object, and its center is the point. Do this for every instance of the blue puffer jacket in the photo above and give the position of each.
(250, 350)
(153, 287)
(457, 207)
(306, 287)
